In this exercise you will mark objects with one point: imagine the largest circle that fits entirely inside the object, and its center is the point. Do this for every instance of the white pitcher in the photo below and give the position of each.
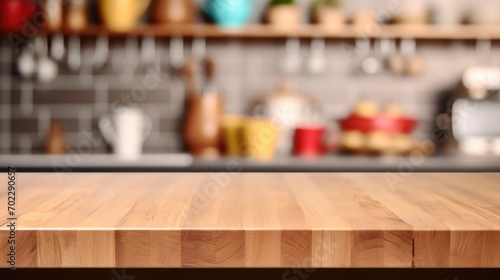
(125, 130)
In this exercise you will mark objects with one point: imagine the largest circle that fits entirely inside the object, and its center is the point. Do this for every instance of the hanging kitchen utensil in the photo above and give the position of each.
(131, 55)
(57, 49)
(199, 48)
(101, 51)
(47, 69)
(413, 65)
(395, 62)
(291, 62)
(317, 60)
(372, 63)
(74, 53)
(361, 50)
(26, 62)
(176, 53)
(148, 50)
(198, 53)
(384, 51)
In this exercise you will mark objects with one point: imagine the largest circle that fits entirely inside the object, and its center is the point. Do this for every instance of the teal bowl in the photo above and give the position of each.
(229, 13)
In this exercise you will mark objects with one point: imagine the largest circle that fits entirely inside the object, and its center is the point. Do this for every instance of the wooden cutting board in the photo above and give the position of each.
(255, 220)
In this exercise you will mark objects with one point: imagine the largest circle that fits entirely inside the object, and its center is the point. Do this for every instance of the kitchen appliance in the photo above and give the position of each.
(475, 127)
(480, 81)
(477, 108)
(125, 130)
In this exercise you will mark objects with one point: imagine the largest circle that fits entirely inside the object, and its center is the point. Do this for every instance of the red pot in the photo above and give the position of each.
(308, 141)
(15, 13)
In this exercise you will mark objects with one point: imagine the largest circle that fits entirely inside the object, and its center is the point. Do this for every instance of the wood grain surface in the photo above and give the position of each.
(255, 220)
(459, 32)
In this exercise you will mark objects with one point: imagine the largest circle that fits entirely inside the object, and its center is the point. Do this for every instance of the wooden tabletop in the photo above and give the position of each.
(254, 220)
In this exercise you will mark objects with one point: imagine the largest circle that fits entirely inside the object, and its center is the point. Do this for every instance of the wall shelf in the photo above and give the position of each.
(422, 32)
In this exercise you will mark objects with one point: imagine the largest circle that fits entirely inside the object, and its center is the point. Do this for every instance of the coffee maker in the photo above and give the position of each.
(475, 114)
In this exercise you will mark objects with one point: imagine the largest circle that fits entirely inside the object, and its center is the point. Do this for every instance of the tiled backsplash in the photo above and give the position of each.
(245, 69)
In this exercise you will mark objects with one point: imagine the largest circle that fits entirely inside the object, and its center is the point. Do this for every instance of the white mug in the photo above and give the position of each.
(125, 130)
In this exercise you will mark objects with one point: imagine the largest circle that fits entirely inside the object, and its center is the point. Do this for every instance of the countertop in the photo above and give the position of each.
(255, 220)
(186, 163)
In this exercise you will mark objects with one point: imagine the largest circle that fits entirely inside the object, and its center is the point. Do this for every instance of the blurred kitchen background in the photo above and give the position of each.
(291, 85)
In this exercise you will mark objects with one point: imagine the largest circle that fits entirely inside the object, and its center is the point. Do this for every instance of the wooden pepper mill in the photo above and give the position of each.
(202, 131)
(56, 144)
(205, 110)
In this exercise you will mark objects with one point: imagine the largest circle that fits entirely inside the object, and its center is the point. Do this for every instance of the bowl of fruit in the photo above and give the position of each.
(371, 130)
